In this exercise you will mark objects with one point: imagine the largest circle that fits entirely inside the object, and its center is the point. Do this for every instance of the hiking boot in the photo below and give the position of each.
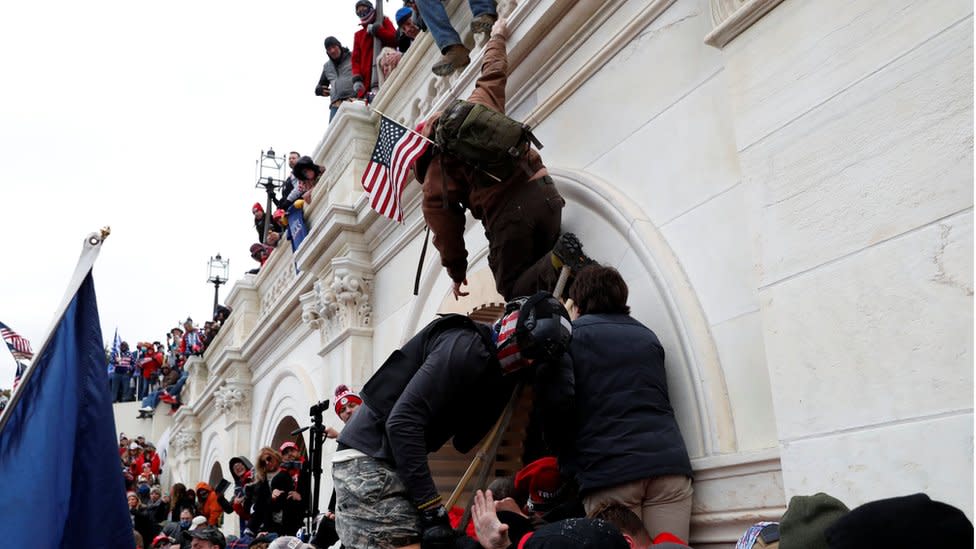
(483, 23)
(568, 252)
(454, 59)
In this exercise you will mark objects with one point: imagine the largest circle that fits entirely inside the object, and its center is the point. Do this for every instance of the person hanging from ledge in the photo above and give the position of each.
(502, 180)
(455, 55)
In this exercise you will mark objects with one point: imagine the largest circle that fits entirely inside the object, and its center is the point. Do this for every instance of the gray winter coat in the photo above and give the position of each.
(337, 78)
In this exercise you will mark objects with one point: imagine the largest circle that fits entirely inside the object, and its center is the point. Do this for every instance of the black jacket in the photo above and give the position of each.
(266, 515)
(286, 188)
(445, 382)
(625, 427)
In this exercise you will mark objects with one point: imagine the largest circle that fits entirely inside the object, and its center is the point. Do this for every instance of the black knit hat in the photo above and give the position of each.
(576, 533)
(907, 521)
(332, 41)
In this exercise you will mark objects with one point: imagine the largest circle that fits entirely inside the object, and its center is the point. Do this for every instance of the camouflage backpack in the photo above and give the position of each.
(485, 139)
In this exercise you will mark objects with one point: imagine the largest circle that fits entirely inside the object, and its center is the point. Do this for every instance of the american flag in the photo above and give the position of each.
(386, 174)
(19, 347)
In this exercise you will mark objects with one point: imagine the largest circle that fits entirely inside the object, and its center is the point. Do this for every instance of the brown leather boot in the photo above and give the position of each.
(483, 23)
(454, 59)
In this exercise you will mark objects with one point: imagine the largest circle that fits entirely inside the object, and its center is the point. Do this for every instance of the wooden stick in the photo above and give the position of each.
(561, 282)
(483, 475)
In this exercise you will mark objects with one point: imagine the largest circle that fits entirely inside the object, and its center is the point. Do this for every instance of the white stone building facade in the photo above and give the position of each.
(787, 186)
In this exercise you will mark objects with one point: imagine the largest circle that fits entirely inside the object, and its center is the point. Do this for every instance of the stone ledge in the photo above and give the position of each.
(733, 17)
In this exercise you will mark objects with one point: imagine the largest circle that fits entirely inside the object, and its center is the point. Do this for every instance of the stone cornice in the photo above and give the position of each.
(732, 17)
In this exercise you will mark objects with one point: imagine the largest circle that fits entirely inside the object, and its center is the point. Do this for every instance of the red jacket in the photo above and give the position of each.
(151, 363)
(362, 51)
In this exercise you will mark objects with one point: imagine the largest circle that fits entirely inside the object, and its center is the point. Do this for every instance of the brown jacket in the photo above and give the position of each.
(448, 187)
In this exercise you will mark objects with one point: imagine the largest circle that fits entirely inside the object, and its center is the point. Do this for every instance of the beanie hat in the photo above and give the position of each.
(332, 41)
(402, 14)
(343, 396)
(907, 521)
(542, 481)
(806, 518)
(257, 206)
(370, 15)
(575, 533)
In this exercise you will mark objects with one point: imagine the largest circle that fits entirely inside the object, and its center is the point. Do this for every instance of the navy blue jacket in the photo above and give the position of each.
(624, 426)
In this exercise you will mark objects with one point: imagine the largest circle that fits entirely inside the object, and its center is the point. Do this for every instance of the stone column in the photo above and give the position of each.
(233, 400)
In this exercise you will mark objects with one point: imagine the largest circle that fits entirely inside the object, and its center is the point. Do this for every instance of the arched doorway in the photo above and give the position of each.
(283, 433)
(216, 474)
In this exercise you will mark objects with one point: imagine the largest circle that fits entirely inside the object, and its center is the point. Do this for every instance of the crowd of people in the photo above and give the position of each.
(605, 464)
(348, 75)
(154, 372)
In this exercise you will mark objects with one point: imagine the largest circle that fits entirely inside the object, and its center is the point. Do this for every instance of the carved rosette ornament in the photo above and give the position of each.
(341, 304)
(184, 442)
(230, 398)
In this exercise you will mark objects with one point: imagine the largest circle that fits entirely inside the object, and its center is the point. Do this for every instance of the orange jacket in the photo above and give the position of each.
(210, 508)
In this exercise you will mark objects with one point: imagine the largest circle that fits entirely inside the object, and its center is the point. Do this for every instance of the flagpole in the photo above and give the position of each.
(491, 175)
(377, 111)
(89, 253)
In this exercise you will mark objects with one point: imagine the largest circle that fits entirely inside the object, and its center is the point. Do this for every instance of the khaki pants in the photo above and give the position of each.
(662, 503)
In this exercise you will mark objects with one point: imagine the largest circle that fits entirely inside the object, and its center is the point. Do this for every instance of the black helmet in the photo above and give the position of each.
(535, 328)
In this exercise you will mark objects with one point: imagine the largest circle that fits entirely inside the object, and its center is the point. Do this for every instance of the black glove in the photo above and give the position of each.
(436, 528)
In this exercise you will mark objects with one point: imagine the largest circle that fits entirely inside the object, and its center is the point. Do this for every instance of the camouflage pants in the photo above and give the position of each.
(373, 510)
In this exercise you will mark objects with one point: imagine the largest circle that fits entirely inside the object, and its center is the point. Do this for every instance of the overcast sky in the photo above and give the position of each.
(147, 117)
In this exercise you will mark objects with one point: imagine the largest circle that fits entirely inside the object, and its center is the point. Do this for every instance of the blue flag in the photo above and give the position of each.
(116, 349)
(60, 475)
(296, 227)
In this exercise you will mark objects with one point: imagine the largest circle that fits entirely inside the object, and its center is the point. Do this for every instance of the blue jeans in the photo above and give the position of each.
(152, 400)
(435, 16)
(332, 112)
(120, 386)
(176, 388)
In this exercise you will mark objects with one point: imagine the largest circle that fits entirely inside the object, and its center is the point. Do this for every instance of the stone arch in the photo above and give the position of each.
(290, 394)
(210, 452)
(617, 232)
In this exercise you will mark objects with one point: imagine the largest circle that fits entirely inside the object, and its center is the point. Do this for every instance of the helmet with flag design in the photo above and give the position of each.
(535, 328)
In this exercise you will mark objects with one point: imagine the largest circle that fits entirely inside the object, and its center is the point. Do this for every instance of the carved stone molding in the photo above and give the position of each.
(185, 442)
(339, 304)
(310, 307)
(731, 18)
(231, 398)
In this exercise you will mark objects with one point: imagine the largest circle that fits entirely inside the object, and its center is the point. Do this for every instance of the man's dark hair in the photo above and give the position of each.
(504, 487)
(296, 153)
(626, 521)
(599, 290)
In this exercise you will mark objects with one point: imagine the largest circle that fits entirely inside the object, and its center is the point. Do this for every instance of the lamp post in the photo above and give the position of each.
(217, 274)
(269, 170)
